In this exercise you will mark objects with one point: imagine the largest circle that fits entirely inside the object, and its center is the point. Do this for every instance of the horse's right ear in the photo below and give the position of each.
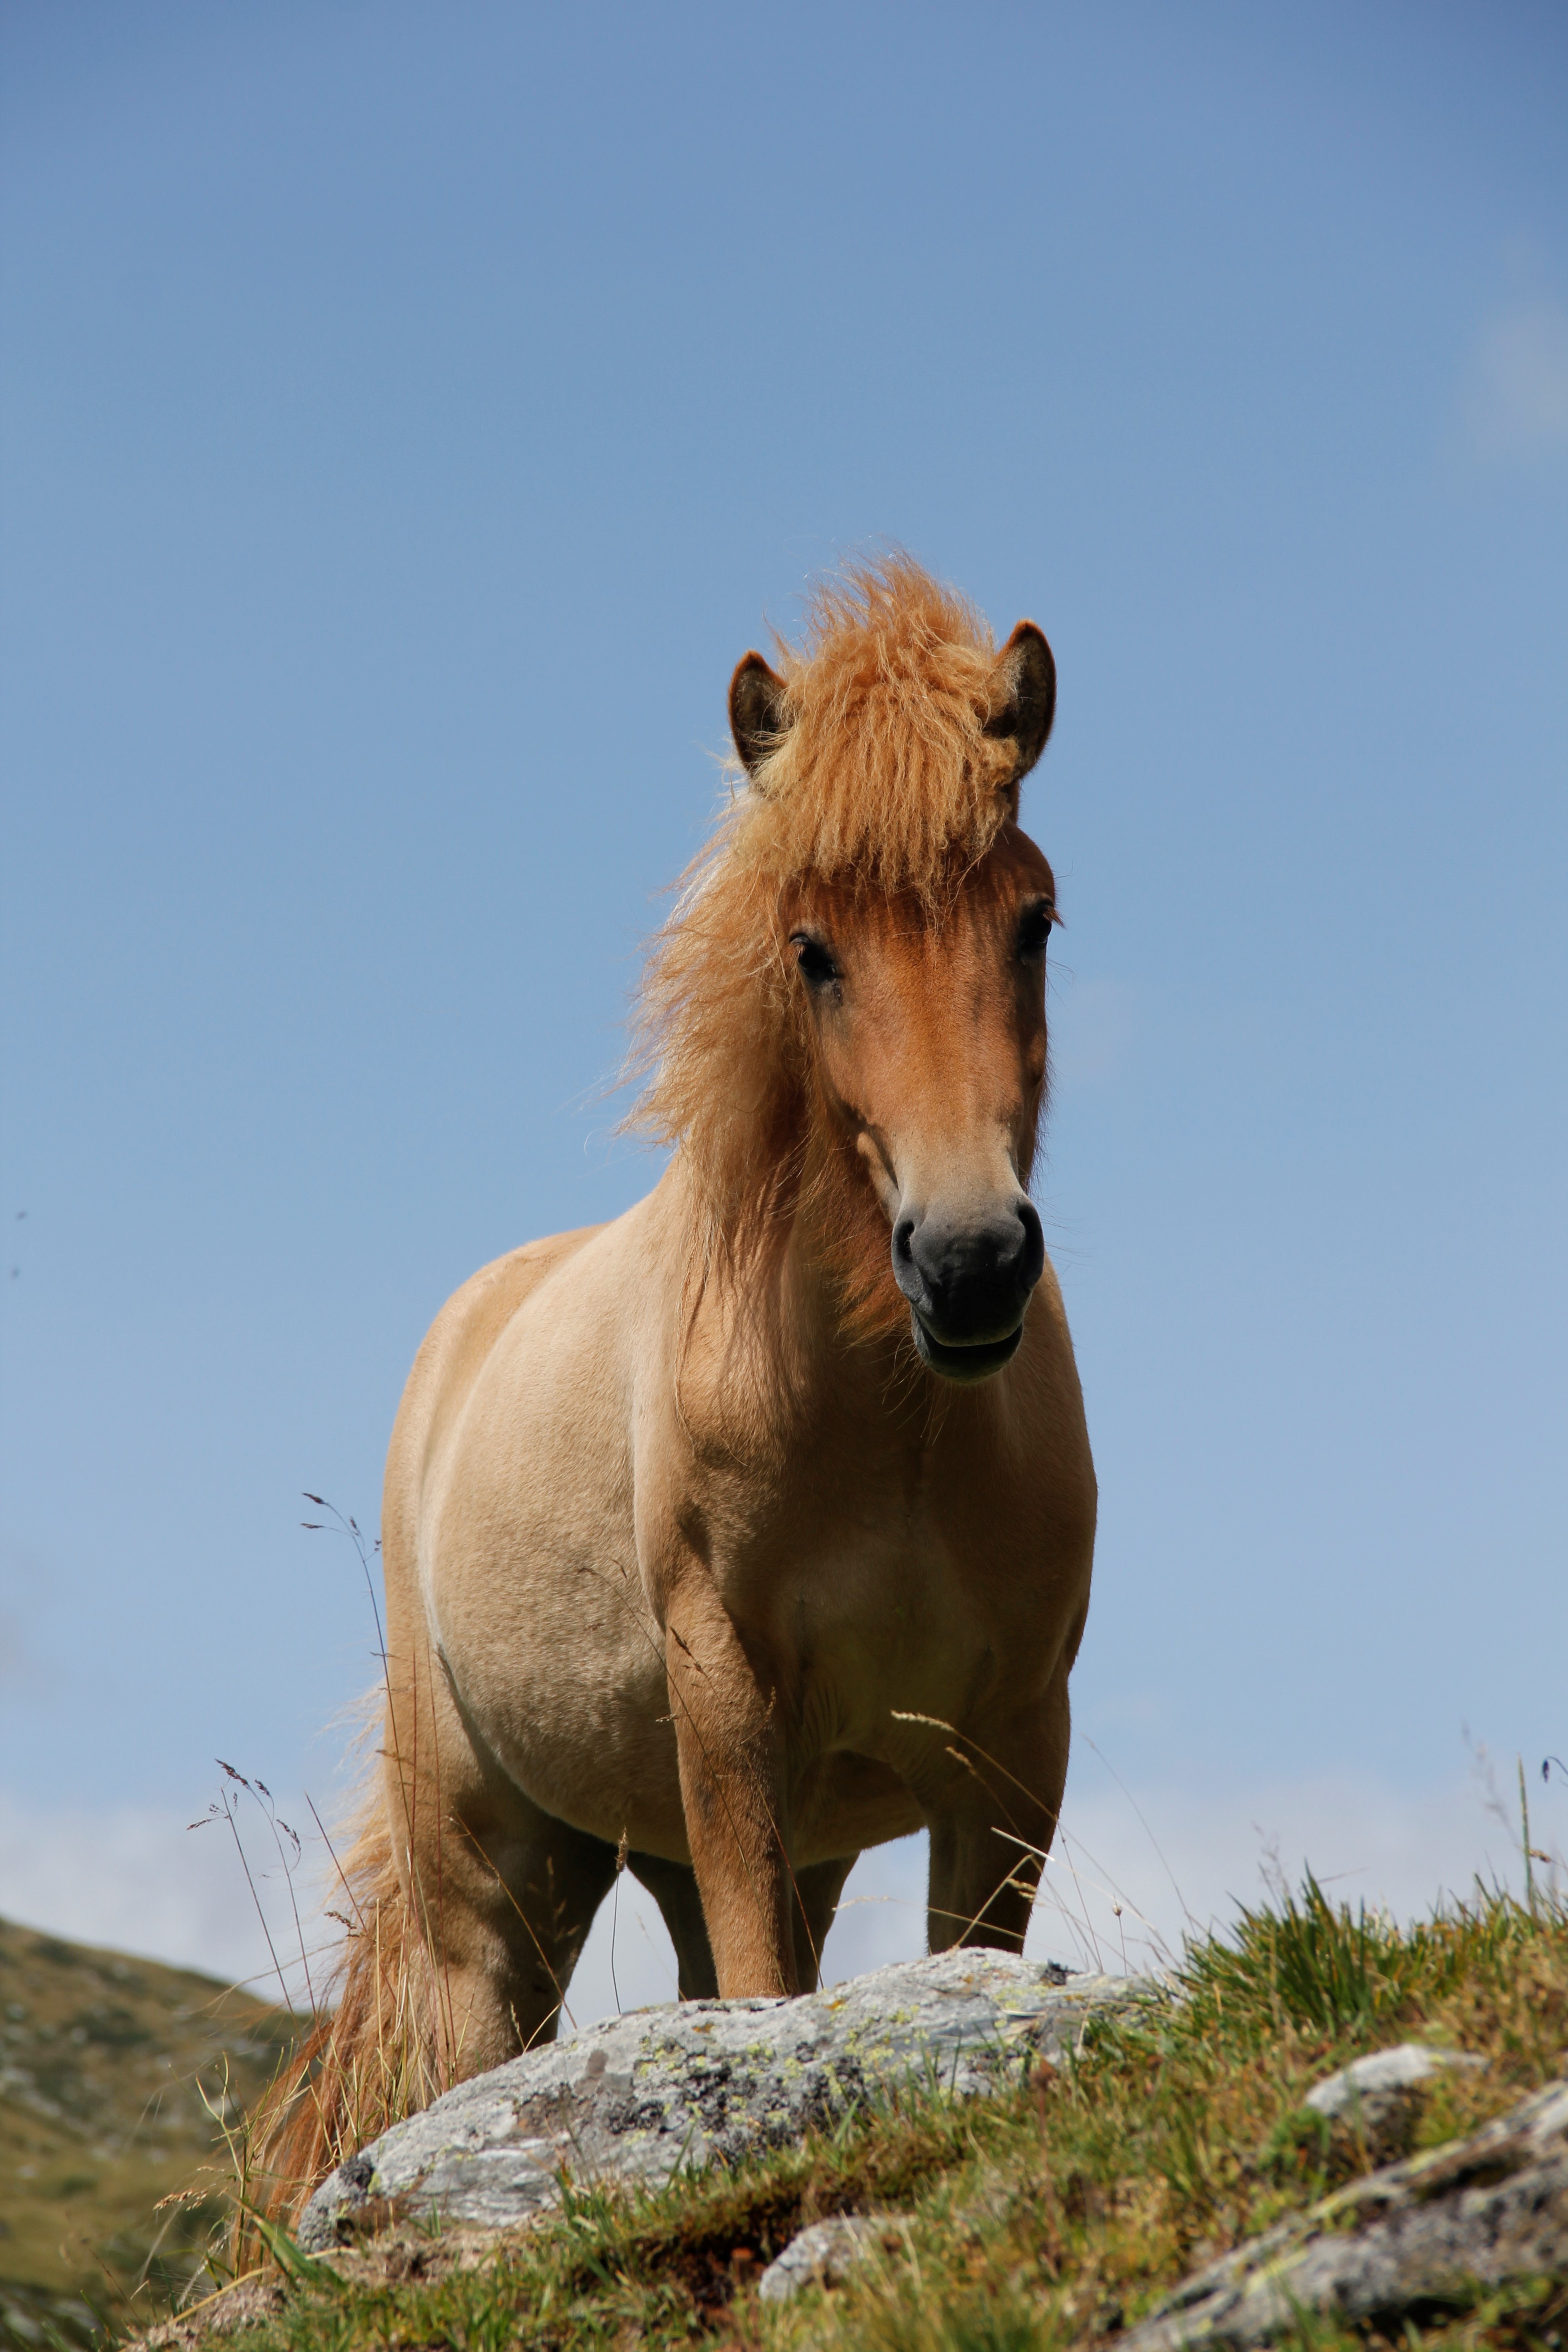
(759, 711)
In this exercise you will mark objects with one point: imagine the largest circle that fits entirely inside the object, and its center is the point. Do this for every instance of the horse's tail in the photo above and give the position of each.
(374, 2053)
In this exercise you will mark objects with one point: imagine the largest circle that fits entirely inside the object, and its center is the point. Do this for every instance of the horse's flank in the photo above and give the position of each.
(753, 1528)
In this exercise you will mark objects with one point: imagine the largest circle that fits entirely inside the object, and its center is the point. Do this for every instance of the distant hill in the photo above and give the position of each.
(100, 2116)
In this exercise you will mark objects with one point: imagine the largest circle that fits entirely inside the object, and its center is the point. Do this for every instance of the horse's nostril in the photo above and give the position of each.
(903, 1241)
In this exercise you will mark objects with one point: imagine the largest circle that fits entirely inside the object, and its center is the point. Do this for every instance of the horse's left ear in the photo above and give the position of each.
(759, 711)
(1027, 672)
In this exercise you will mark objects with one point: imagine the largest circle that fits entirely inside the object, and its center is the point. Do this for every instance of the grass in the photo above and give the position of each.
(1053, 2215)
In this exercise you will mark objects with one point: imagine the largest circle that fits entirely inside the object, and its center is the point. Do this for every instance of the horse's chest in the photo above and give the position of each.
(867, 1617)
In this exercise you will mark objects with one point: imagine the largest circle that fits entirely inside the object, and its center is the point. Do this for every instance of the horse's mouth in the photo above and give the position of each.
(972, 1363)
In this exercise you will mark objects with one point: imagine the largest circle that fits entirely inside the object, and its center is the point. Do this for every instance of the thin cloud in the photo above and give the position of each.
(1134, 1871)
(1518, 403)
(134, 1878)
(1130, 1874)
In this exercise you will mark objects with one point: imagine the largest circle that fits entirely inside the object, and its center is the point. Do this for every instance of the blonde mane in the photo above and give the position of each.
(884, 779)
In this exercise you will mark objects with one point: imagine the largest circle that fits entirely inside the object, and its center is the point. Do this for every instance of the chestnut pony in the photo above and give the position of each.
(754, 1528)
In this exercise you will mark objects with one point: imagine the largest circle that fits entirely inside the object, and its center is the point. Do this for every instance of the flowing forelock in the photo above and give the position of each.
(885, 779)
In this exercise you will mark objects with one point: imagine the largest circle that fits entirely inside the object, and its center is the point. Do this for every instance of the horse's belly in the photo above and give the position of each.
(556, 1677)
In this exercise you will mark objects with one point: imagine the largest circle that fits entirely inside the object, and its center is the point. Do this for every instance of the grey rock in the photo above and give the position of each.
(698, 2082)
(822, 2255)
(1370, 2086)
(1474, 2214)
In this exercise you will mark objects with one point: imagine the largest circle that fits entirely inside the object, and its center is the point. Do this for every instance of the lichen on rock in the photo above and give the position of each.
(695, 2083)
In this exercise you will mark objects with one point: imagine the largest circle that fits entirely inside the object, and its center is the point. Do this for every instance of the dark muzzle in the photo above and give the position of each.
(968, 1281)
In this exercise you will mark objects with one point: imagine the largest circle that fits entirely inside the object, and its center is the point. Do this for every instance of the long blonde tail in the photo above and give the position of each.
(375, 2055)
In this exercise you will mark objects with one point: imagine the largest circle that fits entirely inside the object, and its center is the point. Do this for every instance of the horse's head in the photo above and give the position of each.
(928, 1037)
(925, 1019)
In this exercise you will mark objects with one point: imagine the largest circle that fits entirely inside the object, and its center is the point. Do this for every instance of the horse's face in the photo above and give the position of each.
(930, 1045)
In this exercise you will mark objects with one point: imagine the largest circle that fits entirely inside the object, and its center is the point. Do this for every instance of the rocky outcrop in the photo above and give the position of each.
(1408, 2240)
(638, 2096)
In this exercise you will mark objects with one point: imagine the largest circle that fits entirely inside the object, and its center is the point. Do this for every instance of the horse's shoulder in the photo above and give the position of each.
(460, 1339)
(498, 1289)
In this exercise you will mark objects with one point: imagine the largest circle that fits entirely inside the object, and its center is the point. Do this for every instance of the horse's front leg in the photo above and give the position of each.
(727, 1736)
(989, 1837)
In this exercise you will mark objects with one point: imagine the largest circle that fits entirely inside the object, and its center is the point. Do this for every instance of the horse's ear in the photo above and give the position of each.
(759, 711)
(1027, 673)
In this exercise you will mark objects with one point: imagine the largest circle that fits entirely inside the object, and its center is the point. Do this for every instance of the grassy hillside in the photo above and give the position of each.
(1051, 2216)
(100, 2116)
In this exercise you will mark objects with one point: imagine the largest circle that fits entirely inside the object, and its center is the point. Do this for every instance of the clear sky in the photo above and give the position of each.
(407, 416)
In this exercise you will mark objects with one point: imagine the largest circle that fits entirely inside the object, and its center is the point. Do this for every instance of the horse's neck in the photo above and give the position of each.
(836, 1309)
(807, 1304)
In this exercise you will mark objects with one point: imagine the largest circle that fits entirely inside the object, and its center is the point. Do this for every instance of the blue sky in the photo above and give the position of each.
(407, 416)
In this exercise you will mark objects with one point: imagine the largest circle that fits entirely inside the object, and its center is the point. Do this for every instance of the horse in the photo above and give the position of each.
(755, 1527)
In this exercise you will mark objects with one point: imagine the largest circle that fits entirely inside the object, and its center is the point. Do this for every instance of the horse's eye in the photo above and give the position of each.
(817, 968)
(1035, 930)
